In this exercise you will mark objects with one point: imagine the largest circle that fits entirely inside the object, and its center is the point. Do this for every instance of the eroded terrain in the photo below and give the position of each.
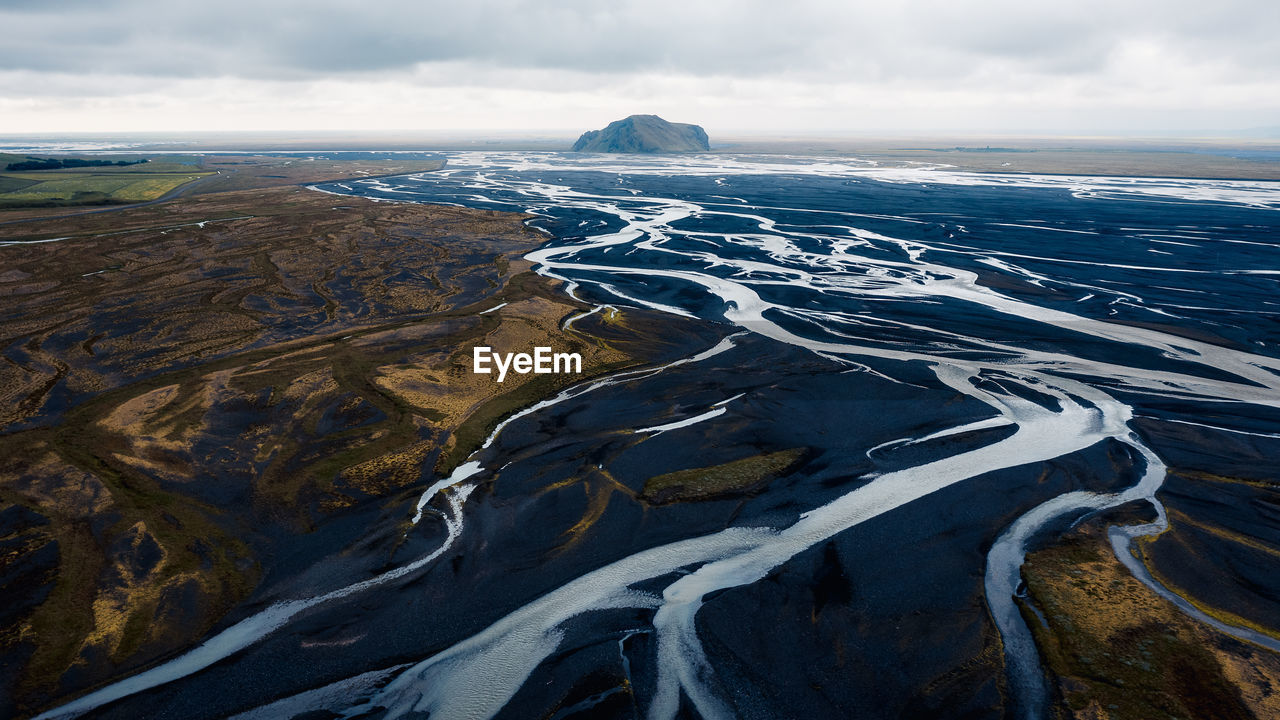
(188, 387)
(863, 399)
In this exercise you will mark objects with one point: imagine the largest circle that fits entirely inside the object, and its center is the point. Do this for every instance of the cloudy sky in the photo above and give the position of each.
(908, 66)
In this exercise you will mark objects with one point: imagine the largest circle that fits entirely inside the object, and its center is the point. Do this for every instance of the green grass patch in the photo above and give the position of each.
(8, 183)
(99, 186)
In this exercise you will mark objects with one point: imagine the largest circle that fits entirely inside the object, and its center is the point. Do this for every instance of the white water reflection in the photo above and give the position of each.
(1077, 407)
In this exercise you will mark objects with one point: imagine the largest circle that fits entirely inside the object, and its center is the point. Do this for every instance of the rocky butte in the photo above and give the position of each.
(644, 134)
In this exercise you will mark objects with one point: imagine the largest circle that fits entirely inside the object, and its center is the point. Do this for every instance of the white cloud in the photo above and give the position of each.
(915, 65)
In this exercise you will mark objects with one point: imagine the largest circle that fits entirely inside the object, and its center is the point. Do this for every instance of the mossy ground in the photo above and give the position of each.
(735, 477)
(1120, 651)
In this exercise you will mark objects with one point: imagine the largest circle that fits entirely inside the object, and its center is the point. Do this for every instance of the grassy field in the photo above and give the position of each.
(92, 186)
(99, 187)
(32, 193)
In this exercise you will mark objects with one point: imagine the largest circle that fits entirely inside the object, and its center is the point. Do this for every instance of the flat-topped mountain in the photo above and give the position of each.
(644, 134)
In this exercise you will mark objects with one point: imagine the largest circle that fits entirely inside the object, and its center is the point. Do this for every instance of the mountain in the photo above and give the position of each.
(644, 134)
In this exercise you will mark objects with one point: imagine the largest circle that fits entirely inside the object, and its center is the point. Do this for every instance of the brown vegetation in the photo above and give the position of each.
(1121, 651)
(732, 478)
(180, 378)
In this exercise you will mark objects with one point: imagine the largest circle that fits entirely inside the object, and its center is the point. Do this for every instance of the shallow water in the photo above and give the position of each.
(936, 339)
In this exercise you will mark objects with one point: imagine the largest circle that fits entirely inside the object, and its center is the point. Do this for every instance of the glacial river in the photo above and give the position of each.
(940, 340)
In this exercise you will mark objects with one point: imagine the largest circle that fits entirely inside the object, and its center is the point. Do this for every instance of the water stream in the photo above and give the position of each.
(1082, 326)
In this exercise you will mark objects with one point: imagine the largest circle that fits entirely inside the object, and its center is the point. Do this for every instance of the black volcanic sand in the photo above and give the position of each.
(885, 620)
(1223, 498)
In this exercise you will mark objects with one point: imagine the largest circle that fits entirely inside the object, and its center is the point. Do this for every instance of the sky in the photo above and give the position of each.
(795, 67)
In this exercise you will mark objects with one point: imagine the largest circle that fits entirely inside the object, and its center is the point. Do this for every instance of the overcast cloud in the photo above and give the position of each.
(912, 66)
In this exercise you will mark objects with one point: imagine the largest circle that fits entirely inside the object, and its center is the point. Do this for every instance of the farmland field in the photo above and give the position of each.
(90, 187)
